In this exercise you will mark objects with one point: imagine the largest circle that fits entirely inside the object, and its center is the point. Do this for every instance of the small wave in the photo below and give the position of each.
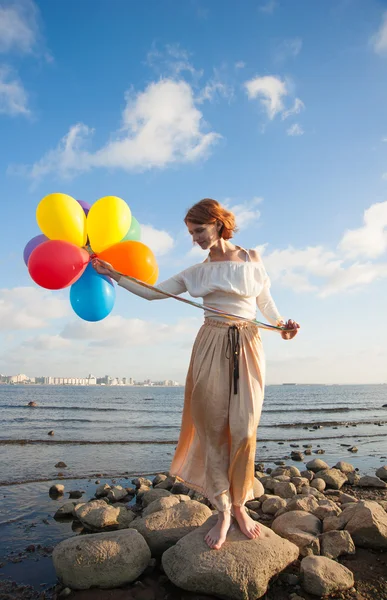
(22, 442)
(319, 409)
(324, 424)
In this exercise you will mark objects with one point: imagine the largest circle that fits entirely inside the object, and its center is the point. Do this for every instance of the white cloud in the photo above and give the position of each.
(370, 240)
(158, 240)
(246, 213)
(384, 176)
(171, 62)
(18, 26)
(288, 49)
(379, 40)
(240, 64)
(30, 308)
(214, 89)
(271, 92)
(119, 331)
(45, 342)
(297, 107)
(13, 97)
(295, 129)
(268, 7)
(315, 269)
(160, 126)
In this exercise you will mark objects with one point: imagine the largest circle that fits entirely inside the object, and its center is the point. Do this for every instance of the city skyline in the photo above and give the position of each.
(108, 380)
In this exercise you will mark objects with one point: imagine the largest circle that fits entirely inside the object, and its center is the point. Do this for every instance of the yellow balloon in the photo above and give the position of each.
(108, 222)
(60, 217)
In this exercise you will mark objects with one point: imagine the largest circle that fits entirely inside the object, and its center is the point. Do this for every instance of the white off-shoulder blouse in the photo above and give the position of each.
(234, 287)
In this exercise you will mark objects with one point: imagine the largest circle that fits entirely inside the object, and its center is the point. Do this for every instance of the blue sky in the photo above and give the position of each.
(275, 108)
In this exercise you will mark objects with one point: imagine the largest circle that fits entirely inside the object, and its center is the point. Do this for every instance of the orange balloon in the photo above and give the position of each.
(134, 259)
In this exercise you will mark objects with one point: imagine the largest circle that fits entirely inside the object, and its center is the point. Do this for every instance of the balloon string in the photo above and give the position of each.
(203, 306)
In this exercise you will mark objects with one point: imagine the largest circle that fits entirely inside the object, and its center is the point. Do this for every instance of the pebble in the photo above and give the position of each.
(51, 432)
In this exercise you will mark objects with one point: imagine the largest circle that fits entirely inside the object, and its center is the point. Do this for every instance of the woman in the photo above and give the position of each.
(225, 382)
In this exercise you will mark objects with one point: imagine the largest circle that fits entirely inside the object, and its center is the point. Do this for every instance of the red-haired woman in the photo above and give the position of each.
(225, 382)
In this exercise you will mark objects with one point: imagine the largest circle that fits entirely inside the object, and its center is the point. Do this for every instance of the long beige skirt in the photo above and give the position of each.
(216, 450)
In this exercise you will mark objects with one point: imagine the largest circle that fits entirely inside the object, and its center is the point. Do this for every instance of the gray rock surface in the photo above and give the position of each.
(321, 575)
(103, 560)
(164, 528)
(192, 566)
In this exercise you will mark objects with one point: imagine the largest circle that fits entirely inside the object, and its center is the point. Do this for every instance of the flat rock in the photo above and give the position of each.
(165, 484)
(164, 528)
(321, 576)
(316, 465)
(369, 481)
(102, 490)
(336, 543)
(102, 560)
(158, 479)
(367, 524)
(306, 503)
(154, 494)
(285, 489)
(289, 471)
(97, 515)
(193, 566)
(299, 527)
(273, 504)
(162, 503)
(344, 467)
(66, 510)
(334, 478)
(125, 517)
(117, 493)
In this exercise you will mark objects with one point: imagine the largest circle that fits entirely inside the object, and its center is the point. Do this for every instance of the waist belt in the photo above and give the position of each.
(232, 352)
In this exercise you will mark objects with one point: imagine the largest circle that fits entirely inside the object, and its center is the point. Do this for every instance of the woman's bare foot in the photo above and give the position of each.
(247, 525)
(216, 537)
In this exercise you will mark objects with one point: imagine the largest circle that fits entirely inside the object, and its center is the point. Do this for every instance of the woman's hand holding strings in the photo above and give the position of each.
(291, 330)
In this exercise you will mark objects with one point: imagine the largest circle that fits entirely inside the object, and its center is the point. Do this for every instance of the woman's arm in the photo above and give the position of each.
(268, 307)
(175, 285)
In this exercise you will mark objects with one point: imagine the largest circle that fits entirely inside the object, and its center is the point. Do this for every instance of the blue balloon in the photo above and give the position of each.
(92, 296)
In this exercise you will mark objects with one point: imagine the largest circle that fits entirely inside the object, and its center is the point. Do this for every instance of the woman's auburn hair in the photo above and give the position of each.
(210, 211)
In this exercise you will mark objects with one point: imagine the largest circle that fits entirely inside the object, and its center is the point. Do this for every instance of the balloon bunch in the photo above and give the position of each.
(73, 231)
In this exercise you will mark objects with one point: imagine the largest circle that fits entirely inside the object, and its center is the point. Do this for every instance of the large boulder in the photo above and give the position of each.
(301, 528)
(154, 494)
(285, 489)
(116, 493)
(306, 503)
(102, 560)
(321, 576)
(258, 489)
(367, 524)
(273, 504)
(164, 528)
(335, 543)
(374, 482)
(344, 467)
(316, 465)
(382, 473)
(240, 570)
(162, 503)
(97, 515)
(334, 478)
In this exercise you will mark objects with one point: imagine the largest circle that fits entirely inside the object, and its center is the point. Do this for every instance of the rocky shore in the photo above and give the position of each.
(324, 535)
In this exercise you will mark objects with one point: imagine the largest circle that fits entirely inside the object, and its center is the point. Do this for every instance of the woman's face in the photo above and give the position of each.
(204, 235)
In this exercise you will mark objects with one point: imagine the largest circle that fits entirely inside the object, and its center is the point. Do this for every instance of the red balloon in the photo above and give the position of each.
(56, 264)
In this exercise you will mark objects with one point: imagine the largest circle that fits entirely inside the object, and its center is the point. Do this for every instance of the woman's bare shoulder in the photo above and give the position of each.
(255, 256)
